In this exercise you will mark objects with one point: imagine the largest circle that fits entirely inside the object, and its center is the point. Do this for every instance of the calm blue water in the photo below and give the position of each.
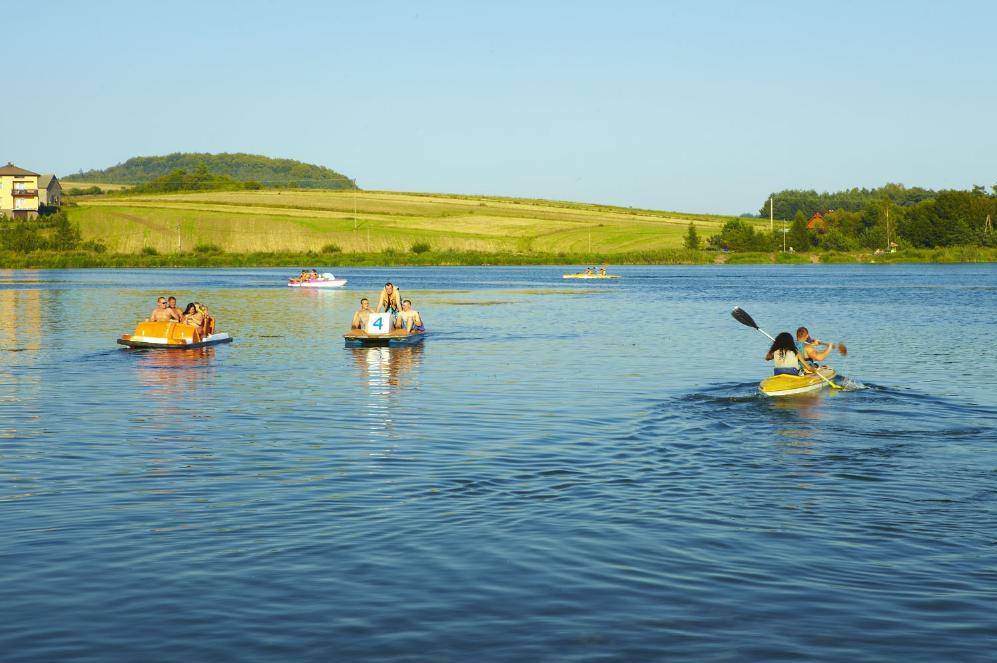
(564, 471)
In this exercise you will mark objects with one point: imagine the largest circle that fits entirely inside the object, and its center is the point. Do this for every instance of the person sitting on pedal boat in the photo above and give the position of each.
(390, 299)
(783, 354)
(208, 327)
(171, 306)
(193, 316)
(409, 319)
(161, 313)
(361, 317)
(808, 350)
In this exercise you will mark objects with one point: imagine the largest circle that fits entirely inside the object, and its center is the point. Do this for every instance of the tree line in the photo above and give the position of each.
(891, 217)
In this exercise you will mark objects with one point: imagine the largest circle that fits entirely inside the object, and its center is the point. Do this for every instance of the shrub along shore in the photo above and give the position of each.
(87, 259)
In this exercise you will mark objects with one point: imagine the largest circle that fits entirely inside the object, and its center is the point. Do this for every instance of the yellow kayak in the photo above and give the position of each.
(590, 276)
(790, 385)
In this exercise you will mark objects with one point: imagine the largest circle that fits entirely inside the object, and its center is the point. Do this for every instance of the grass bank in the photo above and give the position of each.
(333, 260)
(298, 221)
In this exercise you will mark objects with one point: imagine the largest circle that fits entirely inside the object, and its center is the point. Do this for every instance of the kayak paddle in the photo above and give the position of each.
(742, 316)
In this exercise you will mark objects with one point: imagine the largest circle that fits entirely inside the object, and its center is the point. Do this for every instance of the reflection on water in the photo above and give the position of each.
(540, 480)
(383, 369)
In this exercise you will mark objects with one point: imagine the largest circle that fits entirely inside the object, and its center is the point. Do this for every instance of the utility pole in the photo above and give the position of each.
(887, 227)
(179, 247)
(771, 216)
(354, 205)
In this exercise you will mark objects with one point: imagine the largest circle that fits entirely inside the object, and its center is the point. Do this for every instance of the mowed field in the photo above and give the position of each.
(290, 220)
(67, 185)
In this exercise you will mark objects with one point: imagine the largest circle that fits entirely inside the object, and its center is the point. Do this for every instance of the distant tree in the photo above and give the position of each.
(736, 235)
(691, 240)
(799, 236)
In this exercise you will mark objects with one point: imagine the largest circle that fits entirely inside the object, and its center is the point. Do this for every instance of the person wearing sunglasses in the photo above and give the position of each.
(161, 313)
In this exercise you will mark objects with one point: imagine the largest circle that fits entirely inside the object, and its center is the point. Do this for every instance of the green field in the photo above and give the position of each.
(306, 220)
(67, 185)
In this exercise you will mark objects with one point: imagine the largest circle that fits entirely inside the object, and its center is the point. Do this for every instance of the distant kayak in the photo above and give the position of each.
(399, 337)
(589, 276)
(791, 385)
(170, 336)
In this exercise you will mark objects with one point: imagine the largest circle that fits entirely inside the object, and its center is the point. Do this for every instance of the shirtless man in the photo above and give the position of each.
(808, 348)
(171, 306)
(361, 317)
(160, 313)
(409, 319)
(389, 300)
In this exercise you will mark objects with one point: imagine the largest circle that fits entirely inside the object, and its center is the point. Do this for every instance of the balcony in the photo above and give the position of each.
(24, 193)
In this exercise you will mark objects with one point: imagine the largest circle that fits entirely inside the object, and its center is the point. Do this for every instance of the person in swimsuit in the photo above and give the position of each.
(193, 316)
(783, 353)
(171, 305)
(409, 319)
(361, 317)
(160, 313)
(389, 299)
(807, 348)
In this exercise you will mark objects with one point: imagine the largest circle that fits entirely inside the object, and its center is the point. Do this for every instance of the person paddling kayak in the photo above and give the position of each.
(784, 354)
(808, 348)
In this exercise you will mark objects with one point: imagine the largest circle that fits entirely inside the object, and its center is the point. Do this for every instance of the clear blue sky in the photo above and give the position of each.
(694, 106)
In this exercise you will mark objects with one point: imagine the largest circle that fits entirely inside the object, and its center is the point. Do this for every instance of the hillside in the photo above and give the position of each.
(242, 167)
(276, 220)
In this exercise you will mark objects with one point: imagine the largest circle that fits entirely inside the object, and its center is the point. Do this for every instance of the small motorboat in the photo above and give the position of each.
(791, 385)
(171, 336)
(326, 280)
(357, 338)
(583, 275)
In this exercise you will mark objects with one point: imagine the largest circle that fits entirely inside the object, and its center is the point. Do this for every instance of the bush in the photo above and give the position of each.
(389, 252)
(149, 251)
(420, 247)
(208, 249)
(332, 248)
(94, 245)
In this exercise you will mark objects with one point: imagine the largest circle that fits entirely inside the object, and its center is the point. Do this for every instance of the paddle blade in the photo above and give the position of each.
(742, 316)
(842, 349)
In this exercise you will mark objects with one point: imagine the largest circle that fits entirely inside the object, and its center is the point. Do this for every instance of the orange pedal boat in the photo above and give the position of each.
(172, 336)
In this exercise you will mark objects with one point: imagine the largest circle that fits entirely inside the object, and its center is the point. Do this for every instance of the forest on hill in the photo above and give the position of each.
(266, 171)
(789, 202)
(888, 218)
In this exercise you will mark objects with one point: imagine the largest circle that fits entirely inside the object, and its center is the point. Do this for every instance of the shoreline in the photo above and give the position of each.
(83, 260)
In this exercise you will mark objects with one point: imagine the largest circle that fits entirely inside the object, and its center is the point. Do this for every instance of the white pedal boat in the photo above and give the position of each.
(324, 281)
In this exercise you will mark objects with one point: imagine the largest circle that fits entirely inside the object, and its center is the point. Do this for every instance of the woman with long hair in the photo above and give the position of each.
(783, 353)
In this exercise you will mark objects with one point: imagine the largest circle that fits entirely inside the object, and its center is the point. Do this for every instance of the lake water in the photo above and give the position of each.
(563, 471)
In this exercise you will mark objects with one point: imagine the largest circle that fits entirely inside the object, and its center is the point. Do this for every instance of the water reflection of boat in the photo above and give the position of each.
(583, 275)
(173, 373)
(384, 366)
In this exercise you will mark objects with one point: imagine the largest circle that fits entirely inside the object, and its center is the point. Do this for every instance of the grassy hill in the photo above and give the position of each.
(296, 221)
(242, 167)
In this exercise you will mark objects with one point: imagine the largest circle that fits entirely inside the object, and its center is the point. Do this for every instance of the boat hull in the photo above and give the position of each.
(164, 344)
(332, 283)
(793, 385)
(589, 276)
(392, 340)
